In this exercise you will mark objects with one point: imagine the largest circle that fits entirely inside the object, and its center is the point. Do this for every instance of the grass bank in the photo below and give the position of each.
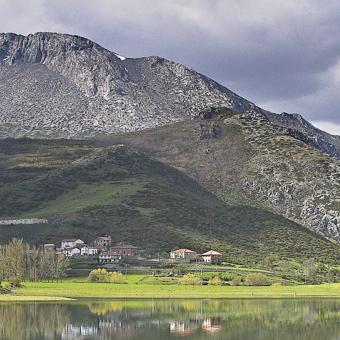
(136, 288)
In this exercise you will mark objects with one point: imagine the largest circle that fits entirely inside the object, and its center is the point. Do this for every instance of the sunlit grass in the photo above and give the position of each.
(137, 287)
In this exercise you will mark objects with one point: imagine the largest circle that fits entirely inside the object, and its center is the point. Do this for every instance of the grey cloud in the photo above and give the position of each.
(278, 54)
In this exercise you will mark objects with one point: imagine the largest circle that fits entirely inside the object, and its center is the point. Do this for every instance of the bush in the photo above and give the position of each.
(190, 279)
(236, 281)
(103, 276)
(15, 283)
(181, 269)
(215, 281)
(256, 279)
(228, 276)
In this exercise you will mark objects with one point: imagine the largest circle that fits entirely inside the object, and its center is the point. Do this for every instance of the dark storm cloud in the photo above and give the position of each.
(282, 55)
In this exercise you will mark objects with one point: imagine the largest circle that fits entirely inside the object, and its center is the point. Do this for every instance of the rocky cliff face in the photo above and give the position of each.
(62, 86)
(102, 92)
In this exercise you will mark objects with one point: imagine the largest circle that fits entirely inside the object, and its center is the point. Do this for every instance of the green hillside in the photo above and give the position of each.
(85, 190)
(245, 159)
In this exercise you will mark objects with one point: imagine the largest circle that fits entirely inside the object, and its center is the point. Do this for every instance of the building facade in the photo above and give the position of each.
(185, 255)
(125, 249)
(103, 241)
(71, 243)
(212, 256)
(71, 252)
(109, 257)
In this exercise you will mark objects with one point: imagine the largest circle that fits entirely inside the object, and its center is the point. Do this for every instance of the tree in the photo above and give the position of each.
(190, 279)
(269, 261)
(19, 261)
(256, 279)
(61, 264)
(15, 261)
(309, 269)
(46, 265)
(32, 264)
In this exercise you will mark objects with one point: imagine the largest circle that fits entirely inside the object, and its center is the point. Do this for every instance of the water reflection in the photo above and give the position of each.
(189, 319)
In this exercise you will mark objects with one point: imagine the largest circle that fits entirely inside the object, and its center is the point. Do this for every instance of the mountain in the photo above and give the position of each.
(62, 86)
(246, 159)
(86, 190)
(167, 156)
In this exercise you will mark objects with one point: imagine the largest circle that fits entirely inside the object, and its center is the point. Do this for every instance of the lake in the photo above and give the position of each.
(172, 319)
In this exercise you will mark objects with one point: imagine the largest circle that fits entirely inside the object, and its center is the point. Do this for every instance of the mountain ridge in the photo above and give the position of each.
(99, 92)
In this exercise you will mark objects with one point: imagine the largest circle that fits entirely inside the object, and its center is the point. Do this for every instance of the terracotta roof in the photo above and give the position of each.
(212, 252)
(183, 250)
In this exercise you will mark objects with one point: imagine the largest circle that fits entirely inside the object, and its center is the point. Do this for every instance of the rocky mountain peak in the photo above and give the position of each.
(58, 85)
(89, 66)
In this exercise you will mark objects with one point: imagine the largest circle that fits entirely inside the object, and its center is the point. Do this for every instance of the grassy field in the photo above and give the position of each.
(84, 196)
(138, 287)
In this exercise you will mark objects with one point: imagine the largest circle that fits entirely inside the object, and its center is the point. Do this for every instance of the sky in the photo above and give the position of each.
(283, 55)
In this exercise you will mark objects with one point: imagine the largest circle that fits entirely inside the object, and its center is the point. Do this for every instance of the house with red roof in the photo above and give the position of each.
(212, 256)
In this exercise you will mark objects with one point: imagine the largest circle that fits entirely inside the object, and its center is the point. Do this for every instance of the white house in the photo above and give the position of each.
(88, 250)
(109, 257)
(71, 252)
(84, 250)
(103, 241)
(49, 246)
(185, 255)
(71, 243)
(212, 256)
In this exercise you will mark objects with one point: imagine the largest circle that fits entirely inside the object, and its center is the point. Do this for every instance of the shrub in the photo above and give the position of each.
(256, 279)
(181, 269)
(103, 276)
(227, 276)
(215, 281)
(15, 283)
(236, 281)
(190, 279)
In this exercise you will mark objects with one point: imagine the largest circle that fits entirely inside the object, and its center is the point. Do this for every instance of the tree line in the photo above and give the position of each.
(21, 262)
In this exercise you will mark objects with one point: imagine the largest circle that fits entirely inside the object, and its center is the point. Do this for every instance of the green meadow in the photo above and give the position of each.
(140, 286)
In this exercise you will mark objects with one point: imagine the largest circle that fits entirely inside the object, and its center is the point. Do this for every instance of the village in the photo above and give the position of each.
(106, 253)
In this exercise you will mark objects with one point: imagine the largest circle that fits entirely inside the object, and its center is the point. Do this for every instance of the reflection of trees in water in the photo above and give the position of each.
(32, 320)
(230, 319)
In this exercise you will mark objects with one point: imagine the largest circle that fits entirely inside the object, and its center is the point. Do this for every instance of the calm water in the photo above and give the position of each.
(180, 319)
